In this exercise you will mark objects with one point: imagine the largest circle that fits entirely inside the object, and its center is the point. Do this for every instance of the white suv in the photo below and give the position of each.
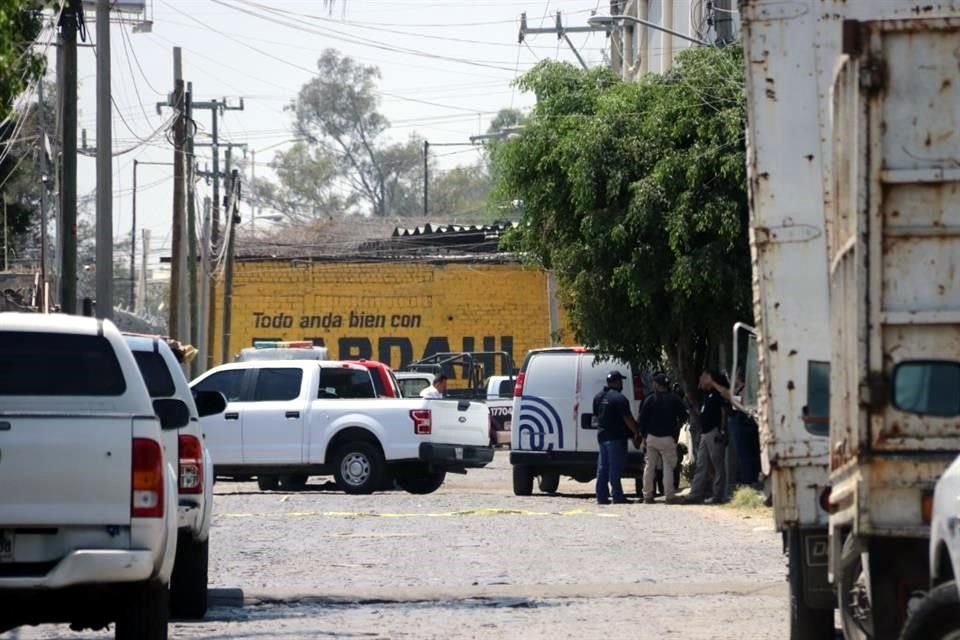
(88, 526)
(161, 371)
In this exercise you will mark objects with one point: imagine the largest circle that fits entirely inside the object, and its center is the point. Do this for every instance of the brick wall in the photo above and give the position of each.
(395, 312)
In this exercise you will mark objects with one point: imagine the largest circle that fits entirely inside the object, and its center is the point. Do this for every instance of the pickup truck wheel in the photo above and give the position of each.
(359, 467)
(935, 618)
(144, 613)
(549, 482)
(268, 483)
(423, 483)
(852, 595)
(188, 584)
(522, 480)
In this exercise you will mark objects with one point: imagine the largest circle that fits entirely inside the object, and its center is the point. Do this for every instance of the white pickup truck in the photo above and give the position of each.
(287, 420)
(88, 518)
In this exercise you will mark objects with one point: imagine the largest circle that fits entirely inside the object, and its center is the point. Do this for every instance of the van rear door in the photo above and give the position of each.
(544, 416)
(63, 451)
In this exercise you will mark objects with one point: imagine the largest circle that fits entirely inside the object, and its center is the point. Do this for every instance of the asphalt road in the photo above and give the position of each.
(472, 560)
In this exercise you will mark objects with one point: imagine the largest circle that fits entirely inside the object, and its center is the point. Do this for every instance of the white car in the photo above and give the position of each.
(164, 379)
(88, 518)
(937, 615)
(288, 420)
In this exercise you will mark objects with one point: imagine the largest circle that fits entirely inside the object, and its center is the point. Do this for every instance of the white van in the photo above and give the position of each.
(551, 434)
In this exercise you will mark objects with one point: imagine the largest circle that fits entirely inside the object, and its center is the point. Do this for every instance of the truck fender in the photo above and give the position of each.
(360, 422)
(207, 517)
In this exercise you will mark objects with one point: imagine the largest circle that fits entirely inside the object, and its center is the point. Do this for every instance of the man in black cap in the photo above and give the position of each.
(615, 424)
(661, 416)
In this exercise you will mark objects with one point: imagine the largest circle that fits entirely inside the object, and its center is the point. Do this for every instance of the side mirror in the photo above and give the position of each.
(173, 413)
(209, 403)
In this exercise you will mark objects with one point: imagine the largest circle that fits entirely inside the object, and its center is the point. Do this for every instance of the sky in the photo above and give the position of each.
(446, 69)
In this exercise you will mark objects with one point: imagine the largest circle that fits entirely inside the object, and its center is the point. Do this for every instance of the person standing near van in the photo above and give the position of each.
(615, 424)
(712, 450)
(661, 417)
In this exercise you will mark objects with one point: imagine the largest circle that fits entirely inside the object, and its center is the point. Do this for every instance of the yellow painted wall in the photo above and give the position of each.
(393, 312)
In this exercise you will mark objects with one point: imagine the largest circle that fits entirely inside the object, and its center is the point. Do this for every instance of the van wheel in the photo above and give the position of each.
(188, 584)
(421, 481)
(359, 467)
(294, 482)
(144, 613)
(549, 482)
(935, 618)
(268, 483)
(522, 480)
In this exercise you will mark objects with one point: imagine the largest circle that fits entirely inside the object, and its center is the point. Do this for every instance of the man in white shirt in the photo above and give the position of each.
(436, 390)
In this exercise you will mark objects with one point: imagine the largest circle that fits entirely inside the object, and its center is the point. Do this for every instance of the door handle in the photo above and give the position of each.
(231, 416)
(293, 414)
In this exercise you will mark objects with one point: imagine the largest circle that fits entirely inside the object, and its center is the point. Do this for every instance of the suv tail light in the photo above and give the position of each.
(637, 387)
(518, 387)
(191, 465)
(146, 499)
(422, 422)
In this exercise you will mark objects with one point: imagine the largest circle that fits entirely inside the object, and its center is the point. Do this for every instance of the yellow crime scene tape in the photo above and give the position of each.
(487, 511)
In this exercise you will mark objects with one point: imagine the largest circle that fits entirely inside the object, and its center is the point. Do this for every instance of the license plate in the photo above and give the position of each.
(458, 453)
(6, 545)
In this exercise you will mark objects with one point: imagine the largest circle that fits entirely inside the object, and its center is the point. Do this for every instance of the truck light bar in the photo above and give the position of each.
(274, 344)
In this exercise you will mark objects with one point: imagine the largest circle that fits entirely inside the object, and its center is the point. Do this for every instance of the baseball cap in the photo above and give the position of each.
(615, 375)
(661, 378)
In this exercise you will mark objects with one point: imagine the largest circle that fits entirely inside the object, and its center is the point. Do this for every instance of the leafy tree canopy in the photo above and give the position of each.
(635, 194)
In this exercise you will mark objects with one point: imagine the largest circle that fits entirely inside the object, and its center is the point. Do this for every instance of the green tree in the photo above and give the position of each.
(20, 65)
(635, 194)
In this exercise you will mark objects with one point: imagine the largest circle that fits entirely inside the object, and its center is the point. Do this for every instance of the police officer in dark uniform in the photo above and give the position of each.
(615, 425)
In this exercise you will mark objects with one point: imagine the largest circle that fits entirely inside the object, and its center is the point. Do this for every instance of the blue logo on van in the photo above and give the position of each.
(541, 422)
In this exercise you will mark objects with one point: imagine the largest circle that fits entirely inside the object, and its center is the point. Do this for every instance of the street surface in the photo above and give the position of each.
(473, 560)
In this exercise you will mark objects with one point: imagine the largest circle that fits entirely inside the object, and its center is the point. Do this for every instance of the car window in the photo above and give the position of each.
(54, 364)
(506, 388)
(378, 385)
(155, 373)
(277, 385)
(229, 383)
(345, 383)
(393, 385)
(411, 387)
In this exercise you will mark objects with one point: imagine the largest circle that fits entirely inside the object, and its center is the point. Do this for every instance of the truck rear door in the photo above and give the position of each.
(459, 422)
(273, 421)
(544, 416)
(65, 458)
(908, 85)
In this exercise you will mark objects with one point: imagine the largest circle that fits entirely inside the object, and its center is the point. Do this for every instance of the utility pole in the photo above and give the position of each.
(141, 308)
(231, 230)
(558, 29)
(104, 307)
(44, 181)
(191, 220)
(200, 364)
(177, 328)
(426, 177)
(133, 227)
(216, 108)
(253, 206)
(70, 19)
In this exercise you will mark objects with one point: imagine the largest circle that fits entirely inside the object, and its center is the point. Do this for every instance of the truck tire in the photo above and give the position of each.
(188, 584)
(423, 483)
(144, 613)
(294, 482)
(806, 622)
(268, 483)
(522, 480)
(936, 617)
(851, 594)
(549, 482)
(359, 467)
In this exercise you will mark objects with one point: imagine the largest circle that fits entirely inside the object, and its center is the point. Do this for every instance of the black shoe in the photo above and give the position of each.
(603, 502)
(692, 500)
(623, 501)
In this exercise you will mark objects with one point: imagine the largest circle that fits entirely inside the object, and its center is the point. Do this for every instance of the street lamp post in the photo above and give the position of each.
(607, 22)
